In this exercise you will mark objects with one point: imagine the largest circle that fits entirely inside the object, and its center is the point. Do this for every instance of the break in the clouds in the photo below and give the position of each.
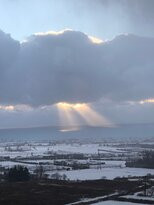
(68, 66)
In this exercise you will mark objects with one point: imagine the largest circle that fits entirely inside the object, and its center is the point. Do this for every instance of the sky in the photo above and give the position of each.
(94, 55)
(101, 18)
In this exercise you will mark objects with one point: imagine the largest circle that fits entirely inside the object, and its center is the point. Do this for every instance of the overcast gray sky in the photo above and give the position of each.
(114, 76)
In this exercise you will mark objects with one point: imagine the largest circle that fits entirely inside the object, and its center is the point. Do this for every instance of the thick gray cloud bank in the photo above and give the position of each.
(49, 68)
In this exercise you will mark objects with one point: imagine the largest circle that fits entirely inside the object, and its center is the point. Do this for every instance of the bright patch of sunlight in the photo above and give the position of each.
(150, 100)
(95, 40)
(7, 108)
(51, 32)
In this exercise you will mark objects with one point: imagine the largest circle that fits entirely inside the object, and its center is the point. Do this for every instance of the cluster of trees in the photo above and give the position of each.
(147, 161)
(58, 176)
(18, 173)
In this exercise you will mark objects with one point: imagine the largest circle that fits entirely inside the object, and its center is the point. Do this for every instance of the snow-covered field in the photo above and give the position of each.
(115, 203)
(27, 150)
(109, 163)
(109, 173)
(84, 148)
(42, 149)
(34, 153)
(9, 164)
(138, 197)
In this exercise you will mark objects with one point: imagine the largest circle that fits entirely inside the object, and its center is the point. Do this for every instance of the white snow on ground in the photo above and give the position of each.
(40, 149)
(31, 151)
(36, 149)
(114, 163)
(108, 163)
(116, 203)
(84, 148)
(138, 197)
(49, 161)
(91, 200)
(9, 164)
(109, 173)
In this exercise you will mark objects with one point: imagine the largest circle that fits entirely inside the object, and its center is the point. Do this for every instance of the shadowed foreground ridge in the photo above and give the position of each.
(58, 192)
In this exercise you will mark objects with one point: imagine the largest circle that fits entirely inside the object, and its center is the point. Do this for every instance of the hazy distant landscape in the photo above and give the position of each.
(122, 132)
(66, 160)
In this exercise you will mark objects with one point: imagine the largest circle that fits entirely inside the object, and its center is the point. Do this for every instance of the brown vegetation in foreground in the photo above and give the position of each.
(53, 192)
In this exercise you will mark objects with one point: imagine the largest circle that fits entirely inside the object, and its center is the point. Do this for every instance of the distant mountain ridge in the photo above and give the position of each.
(122, 132)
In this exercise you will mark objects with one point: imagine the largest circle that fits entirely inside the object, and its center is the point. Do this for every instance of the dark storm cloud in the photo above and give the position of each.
(68, 67)
(9, 50)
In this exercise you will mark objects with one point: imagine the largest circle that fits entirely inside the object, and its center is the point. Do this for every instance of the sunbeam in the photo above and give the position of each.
(68, 111)
(91, 116)
(66, 115)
